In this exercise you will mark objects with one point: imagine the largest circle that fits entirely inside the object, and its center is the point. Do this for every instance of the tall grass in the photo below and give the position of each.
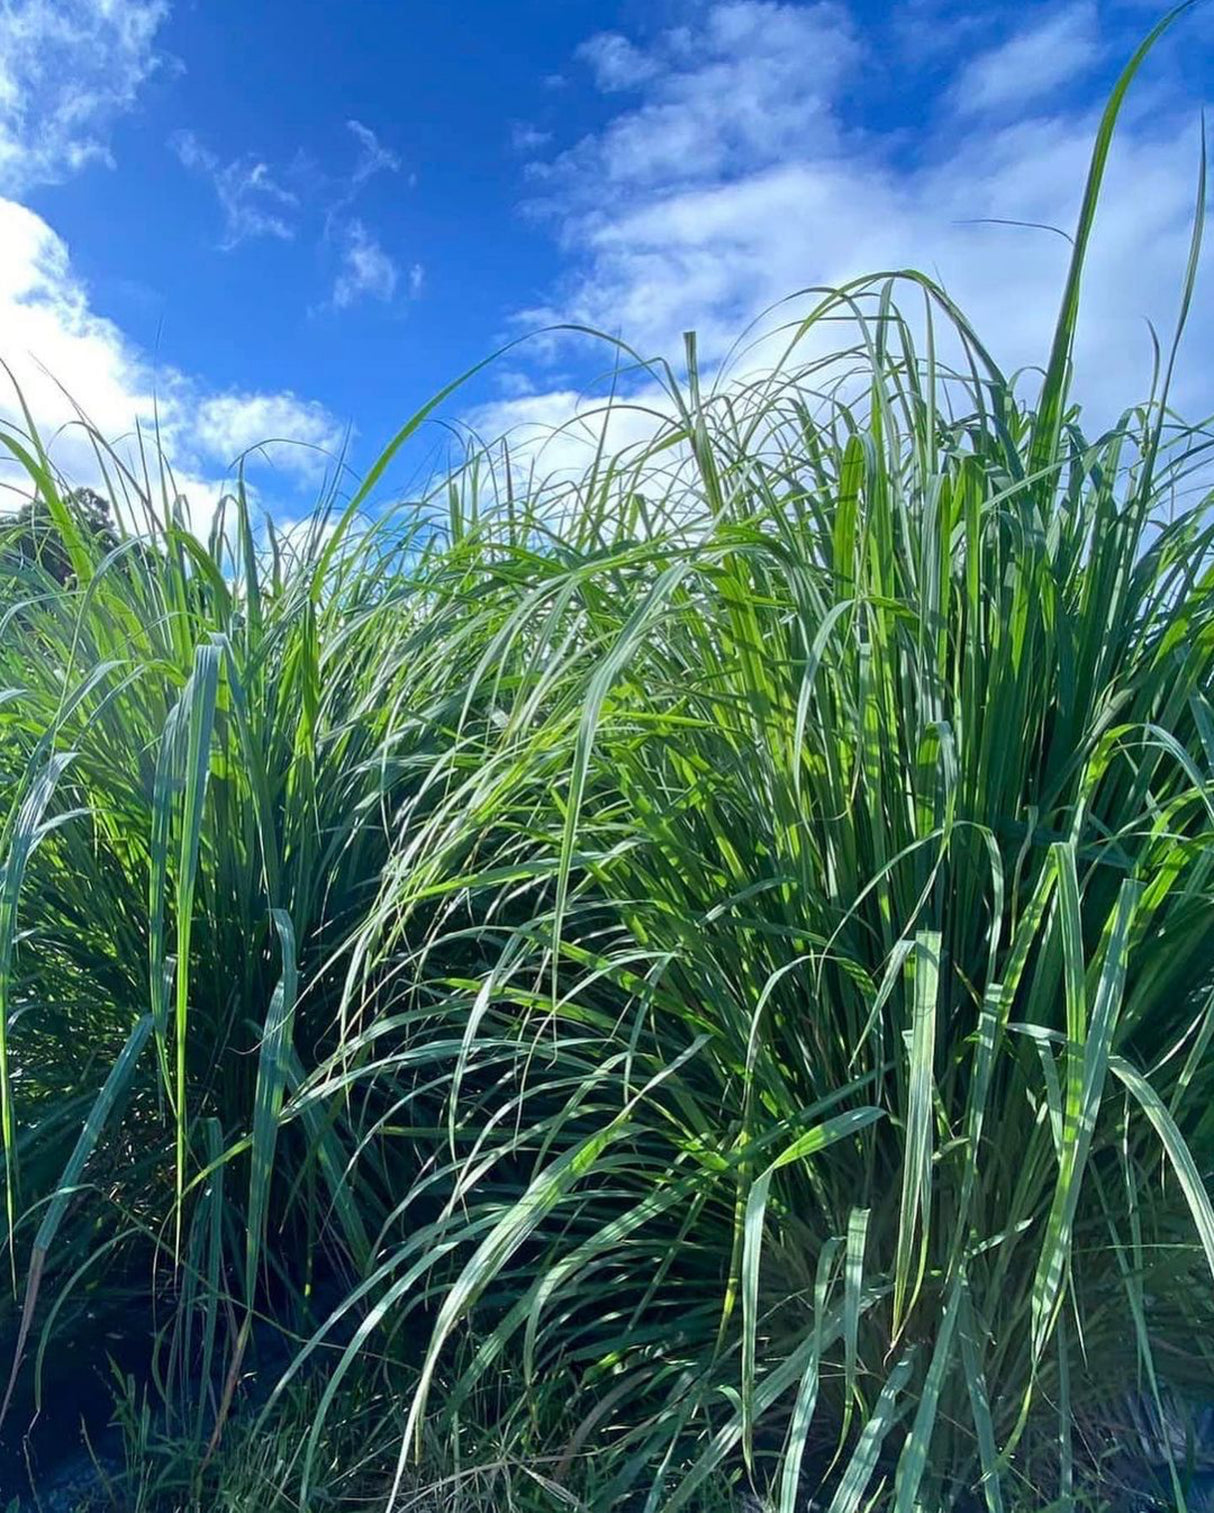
(696, 980)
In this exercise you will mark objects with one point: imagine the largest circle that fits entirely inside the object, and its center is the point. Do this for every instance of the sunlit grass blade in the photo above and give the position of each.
(25, 827)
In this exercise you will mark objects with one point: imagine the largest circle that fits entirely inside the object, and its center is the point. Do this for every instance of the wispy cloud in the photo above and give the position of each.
(618, 63)
(753, 82)
(366, 270)
(339, 194)
(524, 137)
(373, 157)
(68, 69)
(253, 202)
(1055, 51)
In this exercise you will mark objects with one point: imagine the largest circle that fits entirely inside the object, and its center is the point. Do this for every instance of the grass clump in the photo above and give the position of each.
(689, 987)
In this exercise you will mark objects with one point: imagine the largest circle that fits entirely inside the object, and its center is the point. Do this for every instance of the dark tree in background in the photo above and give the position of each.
(30, 534)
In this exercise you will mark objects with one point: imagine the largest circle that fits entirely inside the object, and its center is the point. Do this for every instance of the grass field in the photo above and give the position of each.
(695, 983)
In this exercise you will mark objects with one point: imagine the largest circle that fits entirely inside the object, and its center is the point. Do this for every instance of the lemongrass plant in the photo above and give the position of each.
(694, 981)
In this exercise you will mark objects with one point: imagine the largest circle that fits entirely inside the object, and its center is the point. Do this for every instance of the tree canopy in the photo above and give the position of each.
(30, 534)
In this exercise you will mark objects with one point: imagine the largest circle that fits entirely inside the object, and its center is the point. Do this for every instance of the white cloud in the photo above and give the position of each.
(297, 435)
(253, 202)
(524, 137)
(67, 69)
(256, 202)
(1055, 52)
(925, 31)
(51, 336)
(367, 271)
(732, 177)
(552, 441)
(755, 81)
(374, 157)
(617, 62)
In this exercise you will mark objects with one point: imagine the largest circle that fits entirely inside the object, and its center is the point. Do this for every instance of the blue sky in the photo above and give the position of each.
(290, 217)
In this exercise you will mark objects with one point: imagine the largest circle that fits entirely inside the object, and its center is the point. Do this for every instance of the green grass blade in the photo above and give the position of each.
(116, 1085)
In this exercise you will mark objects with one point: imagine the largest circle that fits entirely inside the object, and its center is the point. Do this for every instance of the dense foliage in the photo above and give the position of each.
(31, 537)
(693, 979)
